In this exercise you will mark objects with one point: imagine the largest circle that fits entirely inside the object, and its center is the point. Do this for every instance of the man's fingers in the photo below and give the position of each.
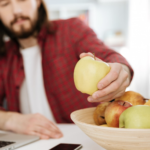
(89, 54)
(50, 133)
(110, 77)
(86, 54)
(51, 127)
(47, 123)
(44, 137)
(114, 86)
(55, 126)
(42, 131)
(119, 93)
(108, 97)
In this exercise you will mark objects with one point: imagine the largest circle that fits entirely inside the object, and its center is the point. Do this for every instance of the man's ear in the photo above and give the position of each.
(39, 3)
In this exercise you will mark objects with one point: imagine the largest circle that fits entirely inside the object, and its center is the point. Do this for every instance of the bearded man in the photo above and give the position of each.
(37, 64)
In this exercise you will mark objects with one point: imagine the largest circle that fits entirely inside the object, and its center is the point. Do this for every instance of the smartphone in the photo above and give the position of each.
(65, 146)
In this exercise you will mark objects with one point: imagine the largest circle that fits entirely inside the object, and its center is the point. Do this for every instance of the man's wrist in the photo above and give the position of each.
(126, 68)
(6, 122)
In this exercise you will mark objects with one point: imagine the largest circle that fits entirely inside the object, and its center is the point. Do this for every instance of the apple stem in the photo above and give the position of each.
(102, 117)
(94, 56)
(123, 103)
(145, 98)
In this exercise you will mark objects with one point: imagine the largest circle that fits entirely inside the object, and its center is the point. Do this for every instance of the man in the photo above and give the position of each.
(37, 64)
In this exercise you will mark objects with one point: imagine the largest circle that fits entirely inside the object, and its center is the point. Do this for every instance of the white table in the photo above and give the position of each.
(72, 134)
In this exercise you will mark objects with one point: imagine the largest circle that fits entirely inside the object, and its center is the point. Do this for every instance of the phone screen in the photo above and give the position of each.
(65, 146)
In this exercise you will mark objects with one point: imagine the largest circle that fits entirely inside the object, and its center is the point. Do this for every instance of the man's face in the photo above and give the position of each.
(19, 16)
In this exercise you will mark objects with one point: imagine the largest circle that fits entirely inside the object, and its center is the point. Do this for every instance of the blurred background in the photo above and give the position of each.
(123, 25)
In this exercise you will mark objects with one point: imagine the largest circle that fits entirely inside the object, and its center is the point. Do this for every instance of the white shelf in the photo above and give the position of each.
(107, 1)
(66, 10)
(99, 13)
(70, 6)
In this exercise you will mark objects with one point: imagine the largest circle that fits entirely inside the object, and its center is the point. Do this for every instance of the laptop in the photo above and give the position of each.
(11, 141)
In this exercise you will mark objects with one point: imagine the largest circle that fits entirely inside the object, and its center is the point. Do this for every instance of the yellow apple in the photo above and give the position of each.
(87, 74)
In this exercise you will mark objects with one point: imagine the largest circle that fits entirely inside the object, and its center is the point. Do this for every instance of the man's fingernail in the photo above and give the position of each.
(95, 95)
(58, 135)
(100, 86)
(90, 99)
(90, 53)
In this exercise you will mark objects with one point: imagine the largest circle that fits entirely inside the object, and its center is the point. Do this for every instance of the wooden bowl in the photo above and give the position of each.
(111, 138)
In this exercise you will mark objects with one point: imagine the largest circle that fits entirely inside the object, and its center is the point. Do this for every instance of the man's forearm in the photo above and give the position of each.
(4, 120)
(31, 124)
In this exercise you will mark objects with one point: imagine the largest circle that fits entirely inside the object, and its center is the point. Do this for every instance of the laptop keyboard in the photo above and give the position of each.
(5, 143)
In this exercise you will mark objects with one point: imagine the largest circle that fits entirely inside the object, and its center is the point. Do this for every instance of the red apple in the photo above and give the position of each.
(113, 112)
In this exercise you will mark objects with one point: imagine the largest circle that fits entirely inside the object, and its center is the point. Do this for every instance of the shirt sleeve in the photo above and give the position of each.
(2, 90)
(85, 40)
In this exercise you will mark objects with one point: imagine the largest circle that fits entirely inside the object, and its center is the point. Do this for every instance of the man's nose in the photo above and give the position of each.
(16, 9)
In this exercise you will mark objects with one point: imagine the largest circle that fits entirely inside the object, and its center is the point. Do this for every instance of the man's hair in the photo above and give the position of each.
(42, 20)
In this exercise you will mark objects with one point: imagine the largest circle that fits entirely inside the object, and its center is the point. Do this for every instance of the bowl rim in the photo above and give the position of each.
(102, 127)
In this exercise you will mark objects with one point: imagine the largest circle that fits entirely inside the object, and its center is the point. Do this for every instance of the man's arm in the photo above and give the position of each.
(4, 119)
(85, 40)
(32, 124)
(121, 74)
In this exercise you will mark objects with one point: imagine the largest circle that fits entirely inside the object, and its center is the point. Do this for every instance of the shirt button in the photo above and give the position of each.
(22, 67)
(17, 87)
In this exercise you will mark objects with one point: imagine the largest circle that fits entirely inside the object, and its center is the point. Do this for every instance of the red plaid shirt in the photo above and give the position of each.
(60, 53)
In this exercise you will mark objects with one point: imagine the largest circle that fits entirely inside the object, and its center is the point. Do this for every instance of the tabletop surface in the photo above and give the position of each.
(72, 134)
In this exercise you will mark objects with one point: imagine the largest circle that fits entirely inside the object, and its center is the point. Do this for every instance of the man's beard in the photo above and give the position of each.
(23, 33)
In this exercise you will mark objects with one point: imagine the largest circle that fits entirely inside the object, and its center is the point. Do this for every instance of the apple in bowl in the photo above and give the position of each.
(132, 97)
(111, 138)
(113, 112)
(99, 113)
(136, 117)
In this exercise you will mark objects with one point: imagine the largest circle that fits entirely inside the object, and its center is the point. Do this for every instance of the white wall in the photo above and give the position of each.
(107, 15)
(112, 16)
(68, 1)
(139, 45)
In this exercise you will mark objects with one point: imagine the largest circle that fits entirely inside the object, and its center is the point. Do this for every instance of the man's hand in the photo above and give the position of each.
(32, 124)
(113, 85)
